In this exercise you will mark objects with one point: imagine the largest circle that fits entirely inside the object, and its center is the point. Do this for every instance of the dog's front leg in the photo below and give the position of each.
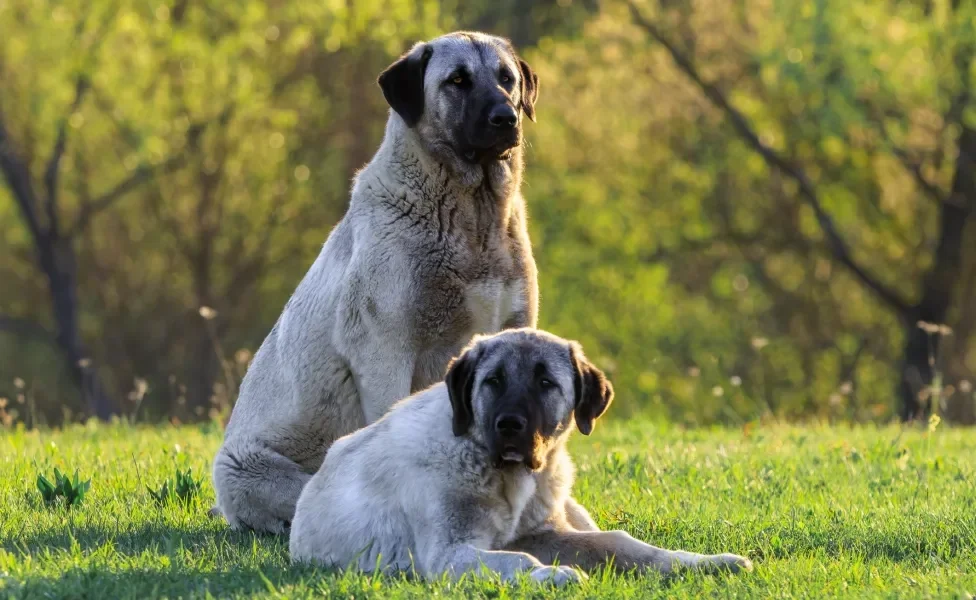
(383, 374)
(591, 549)
(578, 517)
(457, 559)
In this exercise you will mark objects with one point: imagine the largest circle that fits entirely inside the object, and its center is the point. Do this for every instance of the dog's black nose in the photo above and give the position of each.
(503, 116)
(509, 425)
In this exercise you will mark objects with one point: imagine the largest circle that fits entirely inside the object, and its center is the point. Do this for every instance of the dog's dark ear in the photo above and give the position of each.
(460, 380)
(530, 89)
(594, 392)
(403, 84)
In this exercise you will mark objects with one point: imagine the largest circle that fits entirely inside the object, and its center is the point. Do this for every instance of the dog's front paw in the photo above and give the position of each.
(557, 575)
(729, 562)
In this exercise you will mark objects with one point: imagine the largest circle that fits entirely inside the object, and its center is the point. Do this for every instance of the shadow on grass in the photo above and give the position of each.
(159, 537)
(200, 560)
(178, 582)
(155, 560)
(216, 539)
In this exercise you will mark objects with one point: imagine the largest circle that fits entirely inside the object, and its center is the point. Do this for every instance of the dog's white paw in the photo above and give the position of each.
(557, 575)
(729, 562)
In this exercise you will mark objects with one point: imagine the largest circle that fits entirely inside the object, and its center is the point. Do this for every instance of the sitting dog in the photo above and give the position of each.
(475, 472)
(433, 249)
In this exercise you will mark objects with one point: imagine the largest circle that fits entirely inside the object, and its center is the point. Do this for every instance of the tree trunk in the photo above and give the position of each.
(921, 347)
(961, 351)
(57, 260)
(202, 371)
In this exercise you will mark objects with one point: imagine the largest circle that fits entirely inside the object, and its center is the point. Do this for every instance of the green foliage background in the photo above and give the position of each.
(692, 271)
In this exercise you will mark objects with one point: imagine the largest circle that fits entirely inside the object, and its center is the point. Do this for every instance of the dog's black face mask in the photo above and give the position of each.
(469, 90)
(513, 428)
(521, 390)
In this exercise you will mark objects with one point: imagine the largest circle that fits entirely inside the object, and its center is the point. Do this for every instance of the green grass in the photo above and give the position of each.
(851, 512)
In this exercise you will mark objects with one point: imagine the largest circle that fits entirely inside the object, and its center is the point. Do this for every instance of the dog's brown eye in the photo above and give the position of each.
(546, 383)
(493, 381)
(506, 78)
(458, 80)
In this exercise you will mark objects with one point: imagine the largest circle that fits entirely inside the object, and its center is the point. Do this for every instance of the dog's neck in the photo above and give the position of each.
(406, 146)
(557, 471)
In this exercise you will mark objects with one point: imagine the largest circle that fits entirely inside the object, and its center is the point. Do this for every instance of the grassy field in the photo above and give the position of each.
(839, 512)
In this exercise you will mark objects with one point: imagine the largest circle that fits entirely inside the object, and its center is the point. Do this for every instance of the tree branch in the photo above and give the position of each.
(82, 84)
(54, 163)
(145, 173)
(807, 190)
(912, 166)
(18, 178)
(915, 169)
(141, 175)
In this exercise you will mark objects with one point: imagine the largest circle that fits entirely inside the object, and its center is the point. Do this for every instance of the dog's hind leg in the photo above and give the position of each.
(257, 488)
(591, 549)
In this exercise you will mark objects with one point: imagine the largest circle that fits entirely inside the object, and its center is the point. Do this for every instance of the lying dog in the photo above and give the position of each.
(475, 472)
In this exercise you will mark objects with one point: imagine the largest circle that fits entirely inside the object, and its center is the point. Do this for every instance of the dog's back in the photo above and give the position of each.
(354, 509)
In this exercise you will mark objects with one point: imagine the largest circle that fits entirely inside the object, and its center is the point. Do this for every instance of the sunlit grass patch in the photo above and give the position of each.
(823, 511)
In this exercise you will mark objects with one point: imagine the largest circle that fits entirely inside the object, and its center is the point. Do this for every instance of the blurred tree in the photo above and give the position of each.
(54, 242)
(793, 166)
(224, 130)
(741, 209)
(524, 22)
(952, 29)
(177, 166)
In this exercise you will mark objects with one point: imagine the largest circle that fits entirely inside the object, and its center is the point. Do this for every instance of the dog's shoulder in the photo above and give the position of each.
(415, 432)
(398, 175)
(416, 441)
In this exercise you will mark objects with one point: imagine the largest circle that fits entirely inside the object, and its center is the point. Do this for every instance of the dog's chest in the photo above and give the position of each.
(469, 278)
(514, 495)
(491, 302)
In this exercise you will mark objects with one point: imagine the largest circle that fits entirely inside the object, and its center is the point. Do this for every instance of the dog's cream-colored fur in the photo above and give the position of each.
(412, 491)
